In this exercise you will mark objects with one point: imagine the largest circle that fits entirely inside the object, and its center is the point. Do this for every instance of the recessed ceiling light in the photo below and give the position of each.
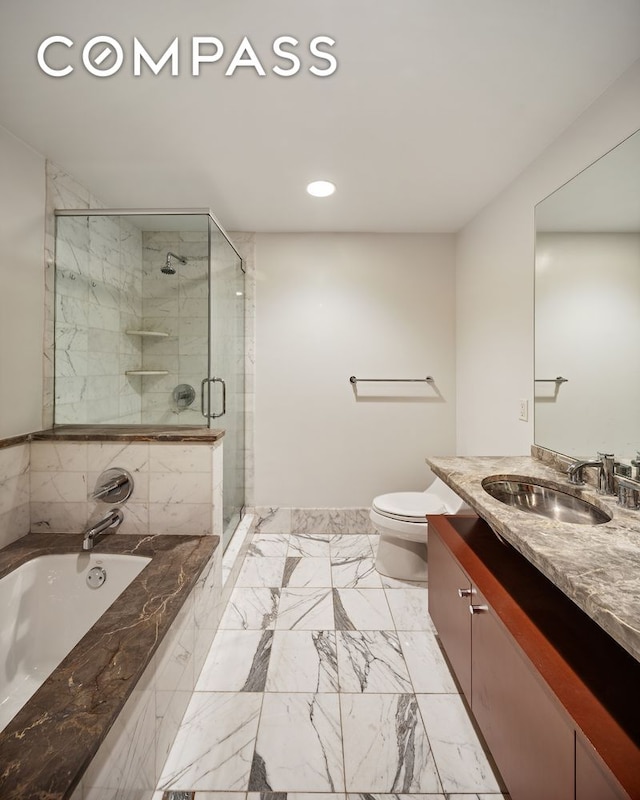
(321, 188)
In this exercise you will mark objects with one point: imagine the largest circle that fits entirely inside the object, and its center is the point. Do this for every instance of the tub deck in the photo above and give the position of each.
(46, 748)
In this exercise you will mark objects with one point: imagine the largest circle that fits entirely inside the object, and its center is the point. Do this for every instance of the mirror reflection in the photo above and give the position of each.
(587, 310)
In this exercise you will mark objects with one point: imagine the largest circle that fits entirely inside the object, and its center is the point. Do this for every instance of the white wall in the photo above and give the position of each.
(22, 204)
(494, 279)
(329, 306)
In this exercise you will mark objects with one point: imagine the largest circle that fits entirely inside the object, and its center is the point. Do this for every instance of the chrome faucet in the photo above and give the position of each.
(111, 520)
(605, 463)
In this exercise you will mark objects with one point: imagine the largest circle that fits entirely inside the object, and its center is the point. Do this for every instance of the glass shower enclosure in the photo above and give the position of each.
(149, 327)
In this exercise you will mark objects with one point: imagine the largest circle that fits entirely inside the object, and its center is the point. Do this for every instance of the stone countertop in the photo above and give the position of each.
(596, 566)
(129, 433)
(47, 746)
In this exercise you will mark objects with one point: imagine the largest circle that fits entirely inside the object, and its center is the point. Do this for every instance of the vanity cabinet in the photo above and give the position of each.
(555, 697)
(449, 592)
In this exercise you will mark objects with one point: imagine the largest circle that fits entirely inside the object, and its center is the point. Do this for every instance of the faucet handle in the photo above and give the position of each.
(115, 485)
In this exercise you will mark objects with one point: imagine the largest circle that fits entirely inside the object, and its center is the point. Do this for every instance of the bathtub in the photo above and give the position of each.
(55, 606)
(84, 659)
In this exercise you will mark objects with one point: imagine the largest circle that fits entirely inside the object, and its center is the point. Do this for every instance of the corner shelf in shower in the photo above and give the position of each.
(147, 372)
(159, 334)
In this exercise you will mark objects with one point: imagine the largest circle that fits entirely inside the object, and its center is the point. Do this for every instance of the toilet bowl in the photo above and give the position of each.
(399, 518)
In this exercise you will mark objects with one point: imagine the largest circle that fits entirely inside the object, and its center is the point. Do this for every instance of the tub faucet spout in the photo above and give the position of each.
(112, 520)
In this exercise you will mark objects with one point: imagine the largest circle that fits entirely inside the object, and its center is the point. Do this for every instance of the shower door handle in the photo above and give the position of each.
(224, 397)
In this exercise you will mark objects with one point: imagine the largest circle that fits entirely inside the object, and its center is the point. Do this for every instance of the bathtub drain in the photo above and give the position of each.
(96, 577)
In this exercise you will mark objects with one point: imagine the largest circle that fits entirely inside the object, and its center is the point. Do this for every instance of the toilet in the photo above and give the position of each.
(400, 520)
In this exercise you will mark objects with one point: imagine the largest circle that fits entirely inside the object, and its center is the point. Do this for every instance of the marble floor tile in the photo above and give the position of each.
(251, 609)
(257, 571)
(299, 746)
(215, 743)
(461, 761)
(385, 745)
(269, 545)
(409, 608)
(303, 661)
(371, 661)
(294, 796)
(314, 545)
(219, 796)
(427, 666)
(361, 610)
(354, 572)
(481, 796)
(412, 796)
(237, 662)
(396, 583)
(350, 545)
(305, 609)
(300, 572)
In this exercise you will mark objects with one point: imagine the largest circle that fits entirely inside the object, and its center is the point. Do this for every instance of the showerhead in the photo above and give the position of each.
(168, 268)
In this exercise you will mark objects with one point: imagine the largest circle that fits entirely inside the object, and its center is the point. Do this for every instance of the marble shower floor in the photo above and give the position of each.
(325, 680)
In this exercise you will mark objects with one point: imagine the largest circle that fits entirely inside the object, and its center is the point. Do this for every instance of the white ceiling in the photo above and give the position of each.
(435, 107)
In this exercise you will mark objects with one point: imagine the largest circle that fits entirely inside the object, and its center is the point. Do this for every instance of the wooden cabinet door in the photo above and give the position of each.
(594, 782)
(530, 739)
(449, 610)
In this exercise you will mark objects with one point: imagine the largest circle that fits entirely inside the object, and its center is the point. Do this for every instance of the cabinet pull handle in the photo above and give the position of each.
(477, 609)
(466, 592)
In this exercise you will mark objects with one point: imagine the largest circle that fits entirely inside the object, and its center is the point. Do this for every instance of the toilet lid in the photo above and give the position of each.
(409, 506)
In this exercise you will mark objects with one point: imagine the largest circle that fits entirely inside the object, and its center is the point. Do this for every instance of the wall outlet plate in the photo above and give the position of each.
(523, 413)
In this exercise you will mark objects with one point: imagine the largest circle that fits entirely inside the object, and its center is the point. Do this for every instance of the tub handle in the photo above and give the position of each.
(115, 485)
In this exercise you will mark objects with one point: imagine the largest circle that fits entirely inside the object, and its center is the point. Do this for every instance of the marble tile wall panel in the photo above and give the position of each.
(130, 761)
(62, 191)
(173, 486)
(177, 305)
(97, 298)
(14, 493)
(273, 519)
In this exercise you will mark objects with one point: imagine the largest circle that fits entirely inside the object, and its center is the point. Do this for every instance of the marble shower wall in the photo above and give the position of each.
(178, 306)
(14, 492)
(98, 298)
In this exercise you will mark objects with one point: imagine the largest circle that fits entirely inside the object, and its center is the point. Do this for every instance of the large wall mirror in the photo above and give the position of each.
(587, 310)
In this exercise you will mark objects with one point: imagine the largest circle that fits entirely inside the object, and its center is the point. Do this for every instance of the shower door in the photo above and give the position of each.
(226, 370)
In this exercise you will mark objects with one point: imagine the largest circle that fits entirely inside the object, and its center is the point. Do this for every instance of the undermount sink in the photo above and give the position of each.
(536, 498)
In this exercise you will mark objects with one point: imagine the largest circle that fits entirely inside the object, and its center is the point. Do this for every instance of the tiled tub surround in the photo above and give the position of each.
(325, 677)
(177, 484)
(128, 679)
(14, 489)
(596, 566)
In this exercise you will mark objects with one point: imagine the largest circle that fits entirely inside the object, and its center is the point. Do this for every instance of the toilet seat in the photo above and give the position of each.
(411, 507)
